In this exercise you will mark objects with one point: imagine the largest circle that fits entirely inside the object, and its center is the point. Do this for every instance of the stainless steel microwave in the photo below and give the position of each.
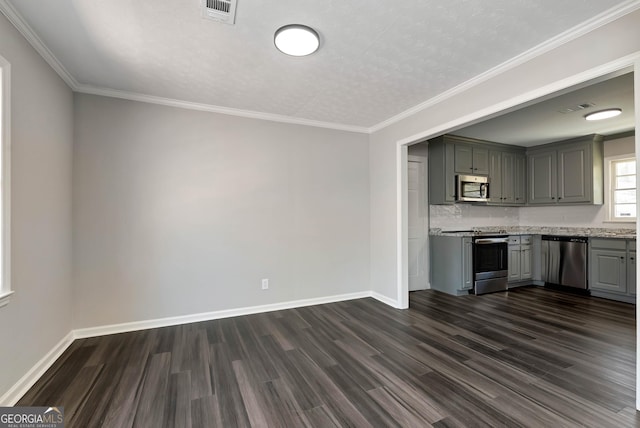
(472, 188)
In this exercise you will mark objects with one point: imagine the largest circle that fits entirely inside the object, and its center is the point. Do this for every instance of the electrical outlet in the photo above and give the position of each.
(265, 284)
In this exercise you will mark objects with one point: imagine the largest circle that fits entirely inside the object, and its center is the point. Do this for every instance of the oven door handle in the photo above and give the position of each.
(491, 241)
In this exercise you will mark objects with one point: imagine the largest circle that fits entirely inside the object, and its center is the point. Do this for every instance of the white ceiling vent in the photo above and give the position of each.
(220, 10)
(579, 107)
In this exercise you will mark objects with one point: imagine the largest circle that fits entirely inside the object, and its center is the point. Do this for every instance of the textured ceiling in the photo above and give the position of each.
(377, 58)
(546, 121)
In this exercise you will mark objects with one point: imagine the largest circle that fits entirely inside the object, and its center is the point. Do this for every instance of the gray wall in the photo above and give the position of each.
(607, 43)
(39, 314)
(180, 212)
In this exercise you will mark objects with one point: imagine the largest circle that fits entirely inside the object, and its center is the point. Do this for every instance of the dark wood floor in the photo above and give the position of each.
(530, 357)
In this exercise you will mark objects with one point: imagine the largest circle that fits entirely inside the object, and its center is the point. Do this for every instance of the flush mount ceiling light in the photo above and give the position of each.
(297, 40)
(603, 114)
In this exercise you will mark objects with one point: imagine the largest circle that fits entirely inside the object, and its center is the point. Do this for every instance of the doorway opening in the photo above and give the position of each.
(603, 73)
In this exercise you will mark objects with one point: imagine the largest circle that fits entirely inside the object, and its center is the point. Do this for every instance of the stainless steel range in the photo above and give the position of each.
(490, 263)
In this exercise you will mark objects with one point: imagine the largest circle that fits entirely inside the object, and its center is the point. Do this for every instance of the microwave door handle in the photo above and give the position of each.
(483, 190)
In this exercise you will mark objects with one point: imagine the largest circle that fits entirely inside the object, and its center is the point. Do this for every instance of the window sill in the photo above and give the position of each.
(5, 297)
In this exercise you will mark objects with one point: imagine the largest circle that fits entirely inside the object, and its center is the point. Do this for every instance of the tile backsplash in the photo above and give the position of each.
(464, 216)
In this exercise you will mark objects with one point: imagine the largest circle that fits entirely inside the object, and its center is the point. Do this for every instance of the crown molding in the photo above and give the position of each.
(553, 43)
(133, 96)
(602, 19)
(36, 42)
(25, 29)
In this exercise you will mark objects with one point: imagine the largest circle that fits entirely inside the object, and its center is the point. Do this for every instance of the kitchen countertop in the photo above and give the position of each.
(593, 232)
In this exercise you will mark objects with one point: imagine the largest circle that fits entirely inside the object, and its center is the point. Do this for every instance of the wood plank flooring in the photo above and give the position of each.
(530, 357)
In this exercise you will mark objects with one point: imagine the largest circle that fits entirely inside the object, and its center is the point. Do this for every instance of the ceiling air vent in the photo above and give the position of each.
(220, 10)
(576, 108)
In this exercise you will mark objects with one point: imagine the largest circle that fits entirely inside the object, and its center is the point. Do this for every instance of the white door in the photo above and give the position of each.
(418, 242)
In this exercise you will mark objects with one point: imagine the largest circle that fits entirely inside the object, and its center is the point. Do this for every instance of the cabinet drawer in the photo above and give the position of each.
(632, 244)
(525, 239)
(611, 244)
(514, 240)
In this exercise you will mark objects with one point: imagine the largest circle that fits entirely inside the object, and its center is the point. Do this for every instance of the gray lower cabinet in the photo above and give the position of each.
(520, 260)
(631, 271)
(568, 172)
(613, 269)
(451, 264)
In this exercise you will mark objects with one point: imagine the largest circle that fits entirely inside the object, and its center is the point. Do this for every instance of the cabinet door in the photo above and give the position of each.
(463, 159)
(542, 177)
(526, 255)
(508, 178)
(574, 174)
(467, 264)
(514, 263)
(631, 273)
(608, 270)
(520, 179)
(495, 177)
(480, 161)
(449, 173)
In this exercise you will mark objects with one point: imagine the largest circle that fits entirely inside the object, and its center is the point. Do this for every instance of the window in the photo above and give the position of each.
(622, 189)
(5, 134)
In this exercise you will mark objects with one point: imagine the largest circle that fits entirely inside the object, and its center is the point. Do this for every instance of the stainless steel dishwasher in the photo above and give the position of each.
(564, 261)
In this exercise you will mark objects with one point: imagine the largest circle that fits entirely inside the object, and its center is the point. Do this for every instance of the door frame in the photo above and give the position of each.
(424, 160)
(629, 62)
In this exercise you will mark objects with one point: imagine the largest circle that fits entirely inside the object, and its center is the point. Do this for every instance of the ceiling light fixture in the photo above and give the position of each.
(296, 40)
(603, 114)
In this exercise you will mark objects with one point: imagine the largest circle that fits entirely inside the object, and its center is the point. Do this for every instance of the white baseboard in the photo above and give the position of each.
(11, 397)
(16, 392)
(208, 316)
(384, 299)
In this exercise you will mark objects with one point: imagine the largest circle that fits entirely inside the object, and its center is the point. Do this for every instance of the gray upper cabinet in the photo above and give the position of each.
(470, 159)
(506, 175)
(495, 177)
(575, 173)
(520, 179)
(569, 172)
(542, 177)
(505, 165)
(442, 175)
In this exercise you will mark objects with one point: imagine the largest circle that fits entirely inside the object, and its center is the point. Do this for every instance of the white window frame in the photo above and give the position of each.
(609, 187)
(5, 182)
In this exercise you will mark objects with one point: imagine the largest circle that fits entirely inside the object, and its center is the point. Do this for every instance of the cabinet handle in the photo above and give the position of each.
(559, 198)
